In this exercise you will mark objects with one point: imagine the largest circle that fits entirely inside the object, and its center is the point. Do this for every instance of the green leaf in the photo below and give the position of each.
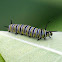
(1, 59)
(20, 48)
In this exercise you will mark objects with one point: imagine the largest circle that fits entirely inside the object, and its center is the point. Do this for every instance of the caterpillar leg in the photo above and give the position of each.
(44, 38)
(21, 33)
(8, 31)
(16, 32)
(29, 35)
(38, 39)
(49, 37)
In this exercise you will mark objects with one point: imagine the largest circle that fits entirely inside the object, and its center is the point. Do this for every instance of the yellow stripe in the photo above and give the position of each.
(27, 30)
(18, 31)
(43, 33)
(11, 27)
(31, 31)
(35, 33)
(14, 30)
(39, 33)
(23, 29)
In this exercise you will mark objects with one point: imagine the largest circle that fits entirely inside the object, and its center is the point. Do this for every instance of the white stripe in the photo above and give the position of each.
(26, 28)
(17, 26)
(42, 32)
(33, 44)
(22, 27)
(31, 28)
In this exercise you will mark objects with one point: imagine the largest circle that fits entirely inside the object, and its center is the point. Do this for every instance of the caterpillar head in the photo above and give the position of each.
(49, 33)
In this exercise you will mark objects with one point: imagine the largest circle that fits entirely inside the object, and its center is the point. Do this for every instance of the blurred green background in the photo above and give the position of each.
(32, 12)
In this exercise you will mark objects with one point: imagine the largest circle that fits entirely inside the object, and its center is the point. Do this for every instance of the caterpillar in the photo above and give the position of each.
(29, 31)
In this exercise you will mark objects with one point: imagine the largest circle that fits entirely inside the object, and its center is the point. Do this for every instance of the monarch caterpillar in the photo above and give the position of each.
(29, 30)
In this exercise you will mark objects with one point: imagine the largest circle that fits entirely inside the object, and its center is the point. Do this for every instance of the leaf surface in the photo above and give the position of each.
(20, 48)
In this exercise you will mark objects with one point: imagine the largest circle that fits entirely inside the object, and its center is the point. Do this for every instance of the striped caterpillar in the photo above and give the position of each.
(29, 31)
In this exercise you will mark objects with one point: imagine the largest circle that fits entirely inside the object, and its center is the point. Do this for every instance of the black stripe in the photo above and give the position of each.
(25, 28)
(44, 37)
(20, 28)
(16, 28)
(37, 31)
(41, 32)
(33, 32)
(46, 33)
(29, 31)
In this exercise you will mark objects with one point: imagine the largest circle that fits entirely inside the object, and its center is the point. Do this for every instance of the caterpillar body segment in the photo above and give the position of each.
(29, 31)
